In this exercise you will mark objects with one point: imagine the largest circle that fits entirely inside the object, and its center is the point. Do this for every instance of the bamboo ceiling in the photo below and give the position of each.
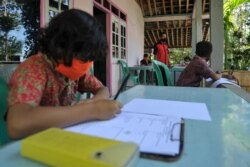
(174, 17)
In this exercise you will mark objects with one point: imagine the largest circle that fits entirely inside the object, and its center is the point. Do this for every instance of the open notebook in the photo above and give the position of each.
(153, 133)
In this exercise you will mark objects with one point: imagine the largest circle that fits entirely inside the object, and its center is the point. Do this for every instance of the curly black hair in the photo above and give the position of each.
(73, 34)
(204, 49)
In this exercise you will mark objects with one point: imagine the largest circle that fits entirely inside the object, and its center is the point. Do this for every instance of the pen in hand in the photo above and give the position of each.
(122, 86)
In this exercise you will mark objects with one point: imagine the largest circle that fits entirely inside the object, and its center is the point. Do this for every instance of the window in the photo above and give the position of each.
(118, 38)
(106, 4)
(57, 6)
(98, 1)
(115, 10)
(115, 41)
(123, 40)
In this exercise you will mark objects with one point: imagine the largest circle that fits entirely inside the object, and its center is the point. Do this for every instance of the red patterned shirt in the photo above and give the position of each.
(35, 82)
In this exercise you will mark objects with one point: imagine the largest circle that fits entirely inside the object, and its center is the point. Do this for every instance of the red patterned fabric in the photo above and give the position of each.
(35, 82)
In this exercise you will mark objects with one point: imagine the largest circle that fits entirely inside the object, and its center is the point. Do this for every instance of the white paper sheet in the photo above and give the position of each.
(214, 84)
(187, 110)
(152, 133)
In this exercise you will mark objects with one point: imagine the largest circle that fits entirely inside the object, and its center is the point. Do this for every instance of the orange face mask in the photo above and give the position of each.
(77, 69)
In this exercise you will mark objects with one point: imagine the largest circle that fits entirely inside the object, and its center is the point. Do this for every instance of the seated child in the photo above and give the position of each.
(187, 60)
(198, 67)
(145, 62)
(43, 88)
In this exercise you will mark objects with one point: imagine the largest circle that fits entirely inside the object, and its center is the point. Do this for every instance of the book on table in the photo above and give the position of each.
(57, 147)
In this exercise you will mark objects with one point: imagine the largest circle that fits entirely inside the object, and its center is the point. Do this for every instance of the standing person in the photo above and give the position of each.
(162, 54)
(198, 68)
(43, 88)
(161, 50)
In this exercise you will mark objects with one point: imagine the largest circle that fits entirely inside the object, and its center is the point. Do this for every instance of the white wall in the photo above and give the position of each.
(135, 38)
(85, 5)
(135, 27)
(135, 34)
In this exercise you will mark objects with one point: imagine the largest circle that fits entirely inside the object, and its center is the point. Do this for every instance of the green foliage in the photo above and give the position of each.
(241, 59)
(177, 55)
(8, 23)
(9, 20)
(236, 38)
(31, 22)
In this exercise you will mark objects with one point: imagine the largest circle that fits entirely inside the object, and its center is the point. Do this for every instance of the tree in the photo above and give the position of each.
(177, 55)
(230, 29)
(31, 22)
(9, 21)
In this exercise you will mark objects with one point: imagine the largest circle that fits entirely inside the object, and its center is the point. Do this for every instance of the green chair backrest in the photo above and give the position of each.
(4, 137)
(6, 71)
(124, 67)
(158, 73)
(159, 76)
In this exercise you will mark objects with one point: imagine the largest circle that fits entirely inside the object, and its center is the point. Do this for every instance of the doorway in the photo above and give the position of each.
(100, 65)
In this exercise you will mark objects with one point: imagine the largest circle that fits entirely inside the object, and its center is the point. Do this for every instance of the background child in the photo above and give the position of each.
(145, 62)
(198, 68)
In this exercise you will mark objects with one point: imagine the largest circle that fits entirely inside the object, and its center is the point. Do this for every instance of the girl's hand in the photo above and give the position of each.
(103, 109)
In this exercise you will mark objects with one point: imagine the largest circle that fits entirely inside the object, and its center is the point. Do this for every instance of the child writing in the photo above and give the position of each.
(43, 88)
(198, 67)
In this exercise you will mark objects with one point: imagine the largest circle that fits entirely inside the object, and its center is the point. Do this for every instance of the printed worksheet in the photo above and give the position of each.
(153, 134)
(186, 110)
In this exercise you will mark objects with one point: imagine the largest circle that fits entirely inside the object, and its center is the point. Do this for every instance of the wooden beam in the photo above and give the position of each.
(173, 17)
(167, 24)
(146, 40)
(149, 7)
(194, 10)
(172, 33)
(167, 18)
(204, 6)
(177, 37)
(142, 9)
(205, 16)
(158, 35)
(186, 36)
(187, 6)
(172, 7)
(156, 11)
(175, 24)
(154, 36)
(152, 43)
(208, 33)
(182, 37)
(203, 32)
(164, 28)
(179, 6)
(168, 37)
(164, 6)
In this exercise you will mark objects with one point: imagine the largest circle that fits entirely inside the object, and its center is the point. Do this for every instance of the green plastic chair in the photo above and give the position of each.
(125, 71)
(6, 71)
(159, 75)
(4, 137)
